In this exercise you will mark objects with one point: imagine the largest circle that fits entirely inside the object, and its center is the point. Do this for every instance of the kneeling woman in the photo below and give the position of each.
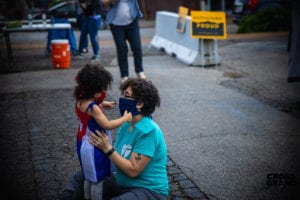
(139, 152)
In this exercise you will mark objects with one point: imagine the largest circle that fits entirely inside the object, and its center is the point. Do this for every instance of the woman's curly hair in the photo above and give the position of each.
(91, 79)
(143, 91)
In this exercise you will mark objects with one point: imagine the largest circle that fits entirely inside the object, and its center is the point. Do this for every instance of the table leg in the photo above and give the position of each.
(9, 49)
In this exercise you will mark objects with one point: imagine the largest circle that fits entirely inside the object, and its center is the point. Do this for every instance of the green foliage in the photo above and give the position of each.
(266, 21)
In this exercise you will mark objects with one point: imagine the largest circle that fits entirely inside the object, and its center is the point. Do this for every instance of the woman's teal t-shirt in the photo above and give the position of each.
(146, 138)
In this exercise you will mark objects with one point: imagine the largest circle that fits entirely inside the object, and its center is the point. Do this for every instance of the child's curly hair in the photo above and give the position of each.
(143, 91)
(91, 79)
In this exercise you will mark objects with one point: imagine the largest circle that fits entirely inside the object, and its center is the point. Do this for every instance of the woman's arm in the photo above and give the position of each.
(102, 120)
(132, 167)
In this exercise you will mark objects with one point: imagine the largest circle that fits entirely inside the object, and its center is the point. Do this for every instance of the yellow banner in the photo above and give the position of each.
(208, 25)
(183, 12)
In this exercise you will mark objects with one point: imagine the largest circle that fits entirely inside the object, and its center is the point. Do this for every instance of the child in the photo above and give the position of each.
(93, 81)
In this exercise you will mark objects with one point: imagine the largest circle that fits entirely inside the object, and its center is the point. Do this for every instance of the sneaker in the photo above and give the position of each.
(141, 75)
(78, 55)
(95, 58)
(85, 50)
(124, 79)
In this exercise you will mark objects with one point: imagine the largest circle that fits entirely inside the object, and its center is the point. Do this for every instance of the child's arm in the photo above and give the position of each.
(102, 120)
(108, 104)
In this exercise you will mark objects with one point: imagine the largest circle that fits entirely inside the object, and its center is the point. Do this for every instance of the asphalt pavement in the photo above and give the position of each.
(232, 130)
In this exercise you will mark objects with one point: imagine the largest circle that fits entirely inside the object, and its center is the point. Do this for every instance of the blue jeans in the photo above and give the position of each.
(113, 191)
(79, 20)
(90, 25)
(131, 33)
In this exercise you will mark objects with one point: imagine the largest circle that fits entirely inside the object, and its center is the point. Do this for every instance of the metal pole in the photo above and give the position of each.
(209, 47)
(202, 5)
(223, 5)
(208, 5)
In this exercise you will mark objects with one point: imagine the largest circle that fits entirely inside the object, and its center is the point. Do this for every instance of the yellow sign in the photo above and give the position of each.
(183, 12)
(208, 25)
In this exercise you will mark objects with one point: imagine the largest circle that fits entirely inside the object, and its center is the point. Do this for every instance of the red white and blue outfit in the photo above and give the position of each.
(94, 163)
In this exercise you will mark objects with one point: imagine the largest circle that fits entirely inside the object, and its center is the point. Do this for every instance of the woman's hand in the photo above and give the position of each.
(128, 116)
(83, 6)
(108, 104)
(132, 167)
(107, 2)
(101, 141)
(113, 1)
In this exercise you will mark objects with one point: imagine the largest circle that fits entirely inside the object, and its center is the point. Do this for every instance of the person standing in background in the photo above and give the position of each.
(79, 21)
(123, 19)
(90, 26)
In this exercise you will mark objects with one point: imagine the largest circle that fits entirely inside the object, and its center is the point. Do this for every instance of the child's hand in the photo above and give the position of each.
(108, 104)
(128, 116)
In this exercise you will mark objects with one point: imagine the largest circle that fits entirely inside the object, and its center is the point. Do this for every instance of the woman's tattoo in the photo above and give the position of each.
(138, 157)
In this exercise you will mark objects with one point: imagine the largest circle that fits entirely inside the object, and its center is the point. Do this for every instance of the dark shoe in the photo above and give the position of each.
(78, 55)
(95, 58)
